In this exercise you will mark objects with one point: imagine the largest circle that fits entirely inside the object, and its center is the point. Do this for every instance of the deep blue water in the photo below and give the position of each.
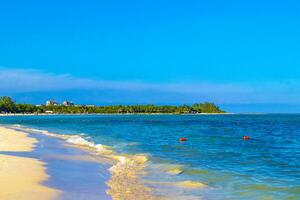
(265, 167)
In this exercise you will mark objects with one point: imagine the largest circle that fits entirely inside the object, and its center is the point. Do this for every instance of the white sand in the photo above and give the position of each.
(21, 177)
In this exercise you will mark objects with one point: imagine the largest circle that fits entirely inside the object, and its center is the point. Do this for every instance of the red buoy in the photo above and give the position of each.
(246, 137)
(182, 139)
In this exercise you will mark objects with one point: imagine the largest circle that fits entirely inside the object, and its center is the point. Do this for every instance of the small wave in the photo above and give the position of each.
(79, 140)
(36, 130)
(126, 172)
(126, 181)
(45, 132)
(76, 139)
(24, 128)
(16, 125)
(127, 169)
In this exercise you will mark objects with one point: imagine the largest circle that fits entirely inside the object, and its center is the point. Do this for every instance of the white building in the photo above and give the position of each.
(68, 103)
(51, 103)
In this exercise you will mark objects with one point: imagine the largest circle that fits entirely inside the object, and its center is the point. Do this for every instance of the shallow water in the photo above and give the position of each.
(74, 172)
(265, 167)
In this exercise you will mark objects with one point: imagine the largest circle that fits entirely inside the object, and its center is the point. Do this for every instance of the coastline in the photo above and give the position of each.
(122, 172)
(125, 170)
(37, 166)
(171, 170)
(57, 114)
(107, 174)
(21, 177)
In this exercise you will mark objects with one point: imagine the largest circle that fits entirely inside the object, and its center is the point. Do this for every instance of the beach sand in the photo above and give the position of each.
(36, 164)
(15, 141)
(21, 177)
(41, 167)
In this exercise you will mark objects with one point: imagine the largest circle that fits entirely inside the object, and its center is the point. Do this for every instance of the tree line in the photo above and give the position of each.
(8, 105)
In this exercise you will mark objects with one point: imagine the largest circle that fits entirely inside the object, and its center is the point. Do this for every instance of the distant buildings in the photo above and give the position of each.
(68, 103)
(51, 103)
(54, 103)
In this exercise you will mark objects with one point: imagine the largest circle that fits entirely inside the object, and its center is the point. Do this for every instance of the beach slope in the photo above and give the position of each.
(21, 177)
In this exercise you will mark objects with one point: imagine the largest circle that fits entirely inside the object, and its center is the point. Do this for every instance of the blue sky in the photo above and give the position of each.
(239, 54)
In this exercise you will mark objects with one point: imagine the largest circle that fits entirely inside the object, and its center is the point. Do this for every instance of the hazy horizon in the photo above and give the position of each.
(243, 56)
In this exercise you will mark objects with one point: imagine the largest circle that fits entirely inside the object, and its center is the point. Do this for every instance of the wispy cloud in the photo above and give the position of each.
(15, 81)
(22, 80)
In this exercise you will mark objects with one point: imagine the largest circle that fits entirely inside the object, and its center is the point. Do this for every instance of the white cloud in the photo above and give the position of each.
(24, 80)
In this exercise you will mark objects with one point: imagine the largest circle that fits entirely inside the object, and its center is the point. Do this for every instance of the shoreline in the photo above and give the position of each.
(125, 182)
(75, 114)
(123, 172)
(21, 177)
(166, 176)
(36, 166)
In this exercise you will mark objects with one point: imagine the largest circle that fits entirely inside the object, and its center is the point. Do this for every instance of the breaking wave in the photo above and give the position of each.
(127, 170)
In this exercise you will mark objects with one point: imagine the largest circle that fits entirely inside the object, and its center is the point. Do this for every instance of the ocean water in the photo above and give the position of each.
(214, 163)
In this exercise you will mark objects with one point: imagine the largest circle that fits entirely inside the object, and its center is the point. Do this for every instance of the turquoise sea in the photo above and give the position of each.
(265, 167)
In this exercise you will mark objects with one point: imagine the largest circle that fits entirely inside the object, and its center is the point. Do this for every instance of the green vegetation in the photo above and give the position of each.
(206, 108)
(7, 105)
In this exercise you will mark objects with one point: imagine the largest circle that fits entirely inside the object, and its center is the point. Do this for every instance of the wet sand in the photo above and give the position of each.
(125, 171)
(38, 167)
(68, 167)
(21, 177)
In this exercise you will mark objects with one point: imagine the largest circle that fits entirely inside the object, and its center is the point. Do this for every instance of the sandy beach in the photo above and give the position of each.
(35, 165)
(141, 157)
(21, 177)
(40, 167)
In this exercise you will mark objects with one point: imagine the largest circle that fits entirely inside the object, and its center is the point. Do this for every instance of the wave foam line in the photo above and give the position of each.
(126, 182)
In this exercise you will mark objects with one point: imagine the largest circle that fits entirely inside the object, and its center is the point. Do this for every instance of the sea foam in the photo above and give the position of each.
(79, 140)
(127, 169)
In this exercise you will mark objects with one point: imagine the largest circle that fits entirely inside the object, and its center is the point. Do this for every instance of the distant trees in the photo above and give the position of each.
(7, 105)
(206, 108)
(29, 108)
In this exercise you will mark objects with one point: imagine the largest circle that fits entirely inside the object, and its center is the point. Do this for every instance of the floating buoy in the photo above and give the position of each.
(182, 139)
(246, 137)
